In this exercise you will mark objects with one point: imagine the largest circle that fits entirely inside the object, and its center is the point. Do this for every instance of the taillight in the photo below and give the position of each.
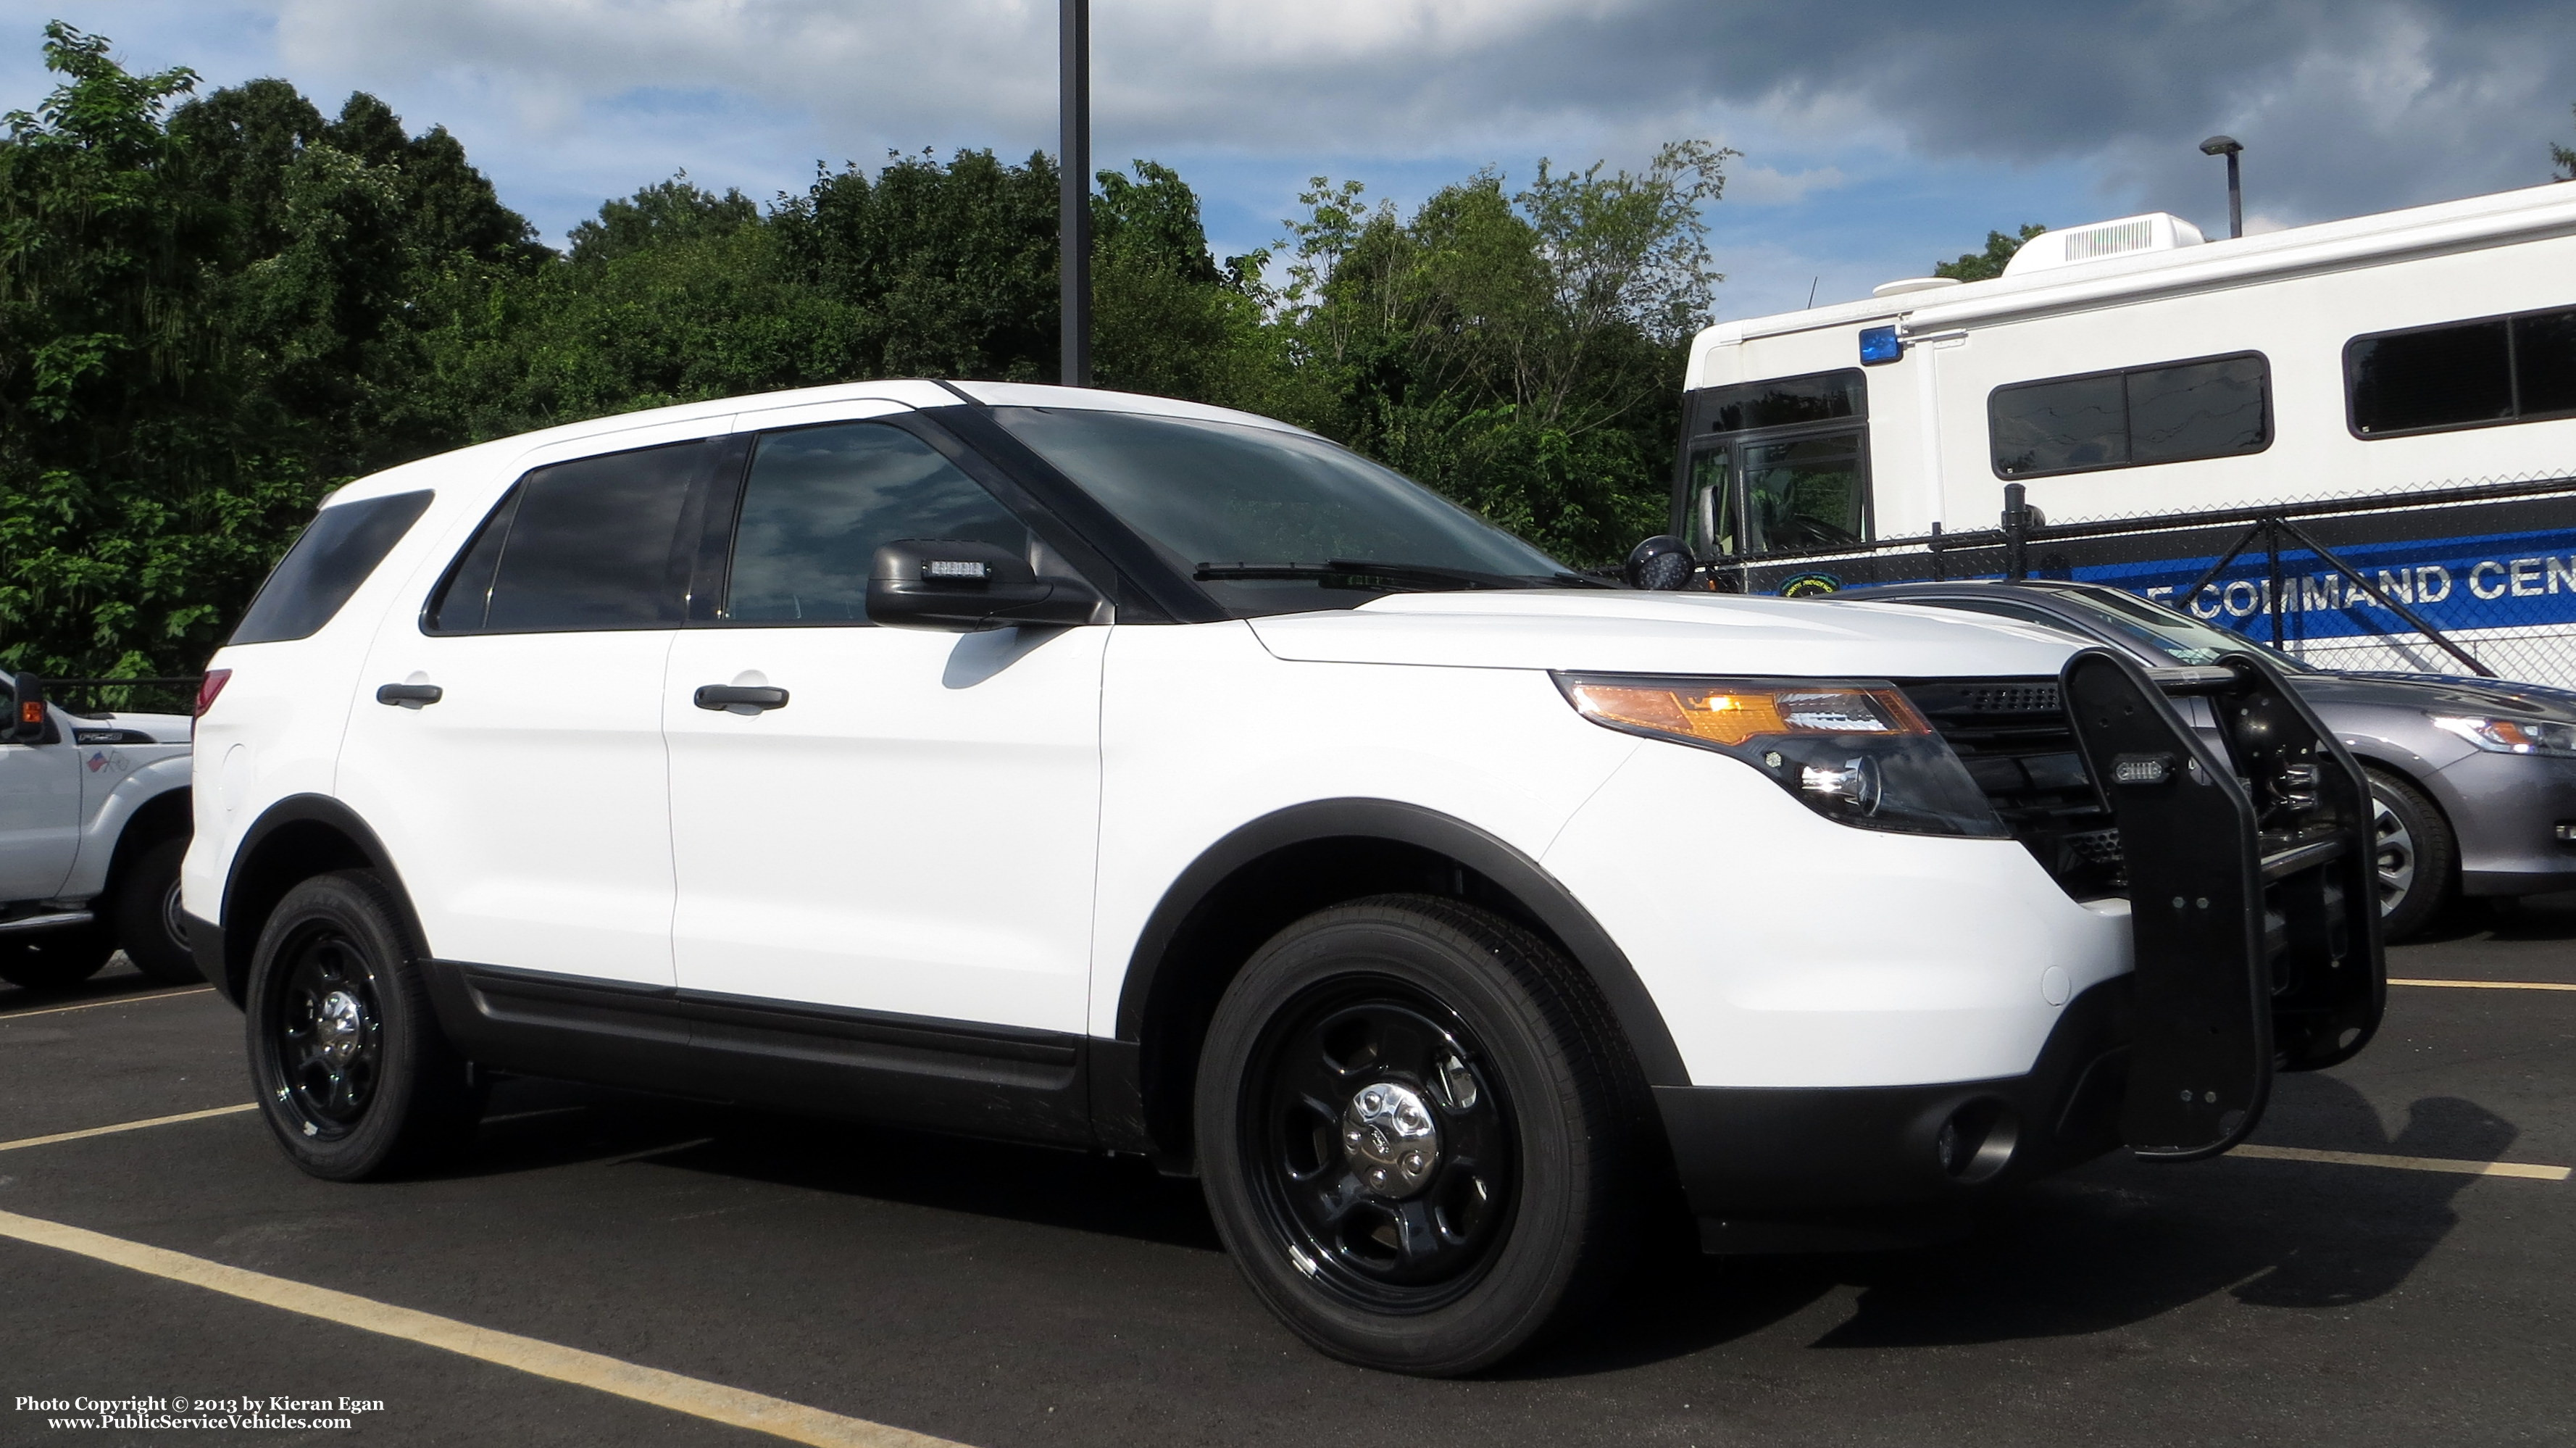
(210, 686)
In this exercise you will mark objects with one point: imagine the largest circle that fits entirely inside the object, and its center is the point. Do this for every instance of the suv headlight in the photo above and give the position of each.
(1857, 752)
(2511, 736)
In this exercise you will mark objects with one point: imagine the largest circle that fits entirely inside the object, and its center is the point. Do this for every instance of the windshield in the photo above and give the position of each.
(1221, 498)
(2170, 632)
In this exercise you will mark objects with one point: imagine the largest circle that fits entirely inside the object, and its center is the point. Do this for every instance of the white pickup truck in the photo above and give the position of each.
(93, 822)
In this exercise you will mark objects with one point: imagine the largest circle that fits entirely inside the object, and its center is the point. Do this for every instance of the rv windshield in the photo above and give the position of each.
(2170, 632)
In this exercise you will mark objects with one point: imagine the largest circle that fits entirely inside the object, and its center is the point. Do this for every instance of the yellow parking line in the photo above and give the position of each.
(112, 1001)
(699, 1399)
(2488, 984)
(128, 1126)
(2409, 1163)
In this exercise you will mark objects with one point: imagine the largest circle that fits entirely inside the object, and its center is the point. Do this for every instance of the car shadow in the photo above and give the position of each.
(2112, 1244)
(533, 1124)
(115, 979)
(2501, 917)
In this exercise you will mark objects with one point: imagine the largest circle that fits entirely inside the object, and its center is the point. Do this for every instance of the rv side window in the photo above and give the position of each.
(2209, 407)
(2462, 374)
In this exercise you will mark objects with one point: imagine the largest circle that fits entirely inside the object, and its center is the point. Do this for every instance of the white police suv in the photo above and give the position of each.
(1071, 767)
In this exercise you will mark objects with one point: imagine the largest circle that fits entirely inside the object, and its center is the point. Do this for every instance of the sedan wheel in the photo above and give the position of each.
(2412, 852)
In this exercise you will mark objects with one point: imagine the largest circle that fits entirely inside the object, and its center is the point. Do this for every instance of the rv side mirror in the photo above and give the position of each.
(26, 710)
(964, 587)
(1661, 564)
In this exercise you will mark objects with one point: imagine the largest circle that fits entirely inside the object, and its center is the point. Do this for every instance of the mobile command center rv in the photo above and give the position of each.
(2355, 438)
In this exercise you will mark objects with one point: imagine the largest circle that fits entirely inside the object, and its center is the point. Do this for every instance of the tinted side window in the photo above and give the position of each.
(2170, 413)
(820, 501)
(2447, 377)
(338, 550)
(579, 545)
(2467, 374)
(2059, 427)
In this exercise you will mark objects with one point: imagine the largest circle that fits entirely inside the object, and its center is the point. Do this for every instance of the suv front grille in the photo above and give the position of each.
(2013, 737)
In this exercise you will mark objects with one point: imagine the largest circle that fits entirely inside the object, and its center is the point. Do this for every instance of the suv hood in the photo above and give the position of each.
(1664, 633)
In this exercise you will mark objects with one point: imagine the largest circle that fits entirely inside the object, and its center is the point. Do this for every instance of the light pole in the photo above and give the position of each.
(2229, 147)
(1073, 198)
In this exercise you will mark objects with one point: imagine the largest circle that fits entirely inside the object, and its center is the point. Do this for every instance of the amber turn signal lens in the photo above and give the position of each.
(1729, 714)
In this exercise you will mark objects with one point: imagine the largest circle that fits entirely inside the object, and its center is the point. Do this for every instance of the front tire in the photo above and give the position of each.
(1419, 1134)
(2414, 853)
(352, 1073)
(148, 927)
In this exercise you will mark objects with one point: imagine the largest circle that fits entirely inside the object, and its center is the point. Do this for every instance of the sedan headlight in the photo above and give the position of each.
(1855, 752)
(2512, 736)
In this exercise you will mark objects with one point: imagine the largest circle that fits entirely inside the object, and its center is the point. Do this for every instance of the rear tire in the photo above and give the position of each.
(1420, 1135)
(55, 960)
(148, 928)
(352, 1073)
(2416, 856)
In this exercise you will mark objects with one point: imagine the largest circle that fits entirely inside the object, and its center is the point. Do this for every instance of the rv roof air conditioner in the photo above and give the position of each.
(2155, 231)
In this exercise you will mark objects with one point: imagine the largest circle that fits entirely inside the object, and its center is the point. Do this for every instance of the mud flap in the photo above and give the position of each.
(2252, 910)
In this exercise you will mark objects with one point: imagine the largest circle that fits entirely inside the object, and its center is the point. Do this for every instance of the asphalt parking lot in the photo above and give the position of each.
(714, 1267)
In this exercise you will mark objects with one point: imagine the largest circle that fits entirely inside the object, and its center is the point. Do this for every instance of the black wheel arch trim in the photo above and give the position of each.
(229, 946)
(1517, 875)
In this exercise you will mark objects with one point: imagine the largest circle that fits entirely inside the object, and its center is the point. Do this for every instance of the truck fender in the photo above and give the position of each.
(103, 830)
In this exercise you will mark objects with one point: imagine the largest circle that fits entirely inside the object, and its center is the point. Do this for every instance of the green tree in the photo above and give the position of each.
(1978, 266)
(1519, 351)
(134, 512)
(2564, 159)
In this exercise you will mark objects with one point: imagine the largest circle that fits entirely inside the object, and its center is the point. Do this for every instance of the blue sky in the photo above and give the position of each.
(1877, 135)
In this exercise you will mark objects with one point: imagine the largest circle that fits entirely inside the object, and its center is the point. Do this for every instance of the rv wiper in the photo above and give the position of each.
(1387, 577)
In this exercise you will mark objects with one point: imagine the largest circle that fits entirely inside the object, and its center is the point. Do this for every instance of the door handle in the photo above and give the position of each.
(737, 696)
(412, 694)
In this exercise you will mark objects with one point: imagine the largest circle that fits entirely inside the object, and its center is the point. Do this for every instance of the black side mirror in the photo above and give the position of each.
(26, 710)
(1661, 564)
(969, 587)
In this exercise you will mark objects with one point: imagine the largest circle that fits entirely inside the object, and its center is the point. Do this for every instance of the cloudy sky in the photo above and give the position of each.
(1877, 135)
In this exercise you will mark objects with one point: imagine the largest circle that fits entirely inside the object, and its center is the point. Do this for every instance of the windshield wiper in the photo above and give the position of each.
(1386, 577)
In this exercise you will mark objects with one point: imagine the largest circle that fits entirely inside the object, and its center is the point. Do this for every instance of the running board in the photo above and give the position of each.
(2253, 913)
(56, 920)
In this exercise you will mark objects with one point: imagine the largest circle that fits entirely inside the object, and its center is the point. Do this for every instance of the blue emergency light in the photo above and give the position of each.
(1879, 344)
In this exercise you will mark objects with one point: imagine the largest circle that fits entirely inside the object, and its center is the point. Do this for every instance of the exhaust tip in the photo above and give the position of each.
(1977, 1141)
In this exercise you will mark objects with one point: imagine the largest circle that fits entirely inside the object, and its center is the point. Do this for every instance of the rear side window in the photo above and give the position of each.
(339, 548)
(819, 503)
(2464, 374)
(2173, 412)
(581, 545)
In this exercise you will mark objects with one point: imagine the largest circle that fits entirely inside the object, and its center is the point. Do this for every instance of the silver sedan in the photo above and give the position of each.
(2474, 779)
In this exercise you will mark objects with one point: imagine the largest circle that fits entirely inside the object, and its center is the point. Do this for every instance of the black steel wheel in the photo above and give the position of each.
(352, 1073)
(1420, 1135)
(149, 928)
(1383, 1144)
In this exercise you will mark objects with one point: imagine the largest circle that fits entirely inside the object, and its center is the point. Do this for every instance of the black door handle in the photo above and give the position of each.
(733, 696)
(409, 694)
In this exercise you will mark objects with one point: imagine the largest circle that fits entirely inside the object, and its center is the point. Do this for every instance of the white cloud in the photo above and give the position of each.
(1762, 186)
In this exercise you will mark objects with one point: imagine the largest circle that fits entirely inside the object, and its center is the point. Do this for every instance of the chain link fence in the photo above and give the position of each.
(2473, 577)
